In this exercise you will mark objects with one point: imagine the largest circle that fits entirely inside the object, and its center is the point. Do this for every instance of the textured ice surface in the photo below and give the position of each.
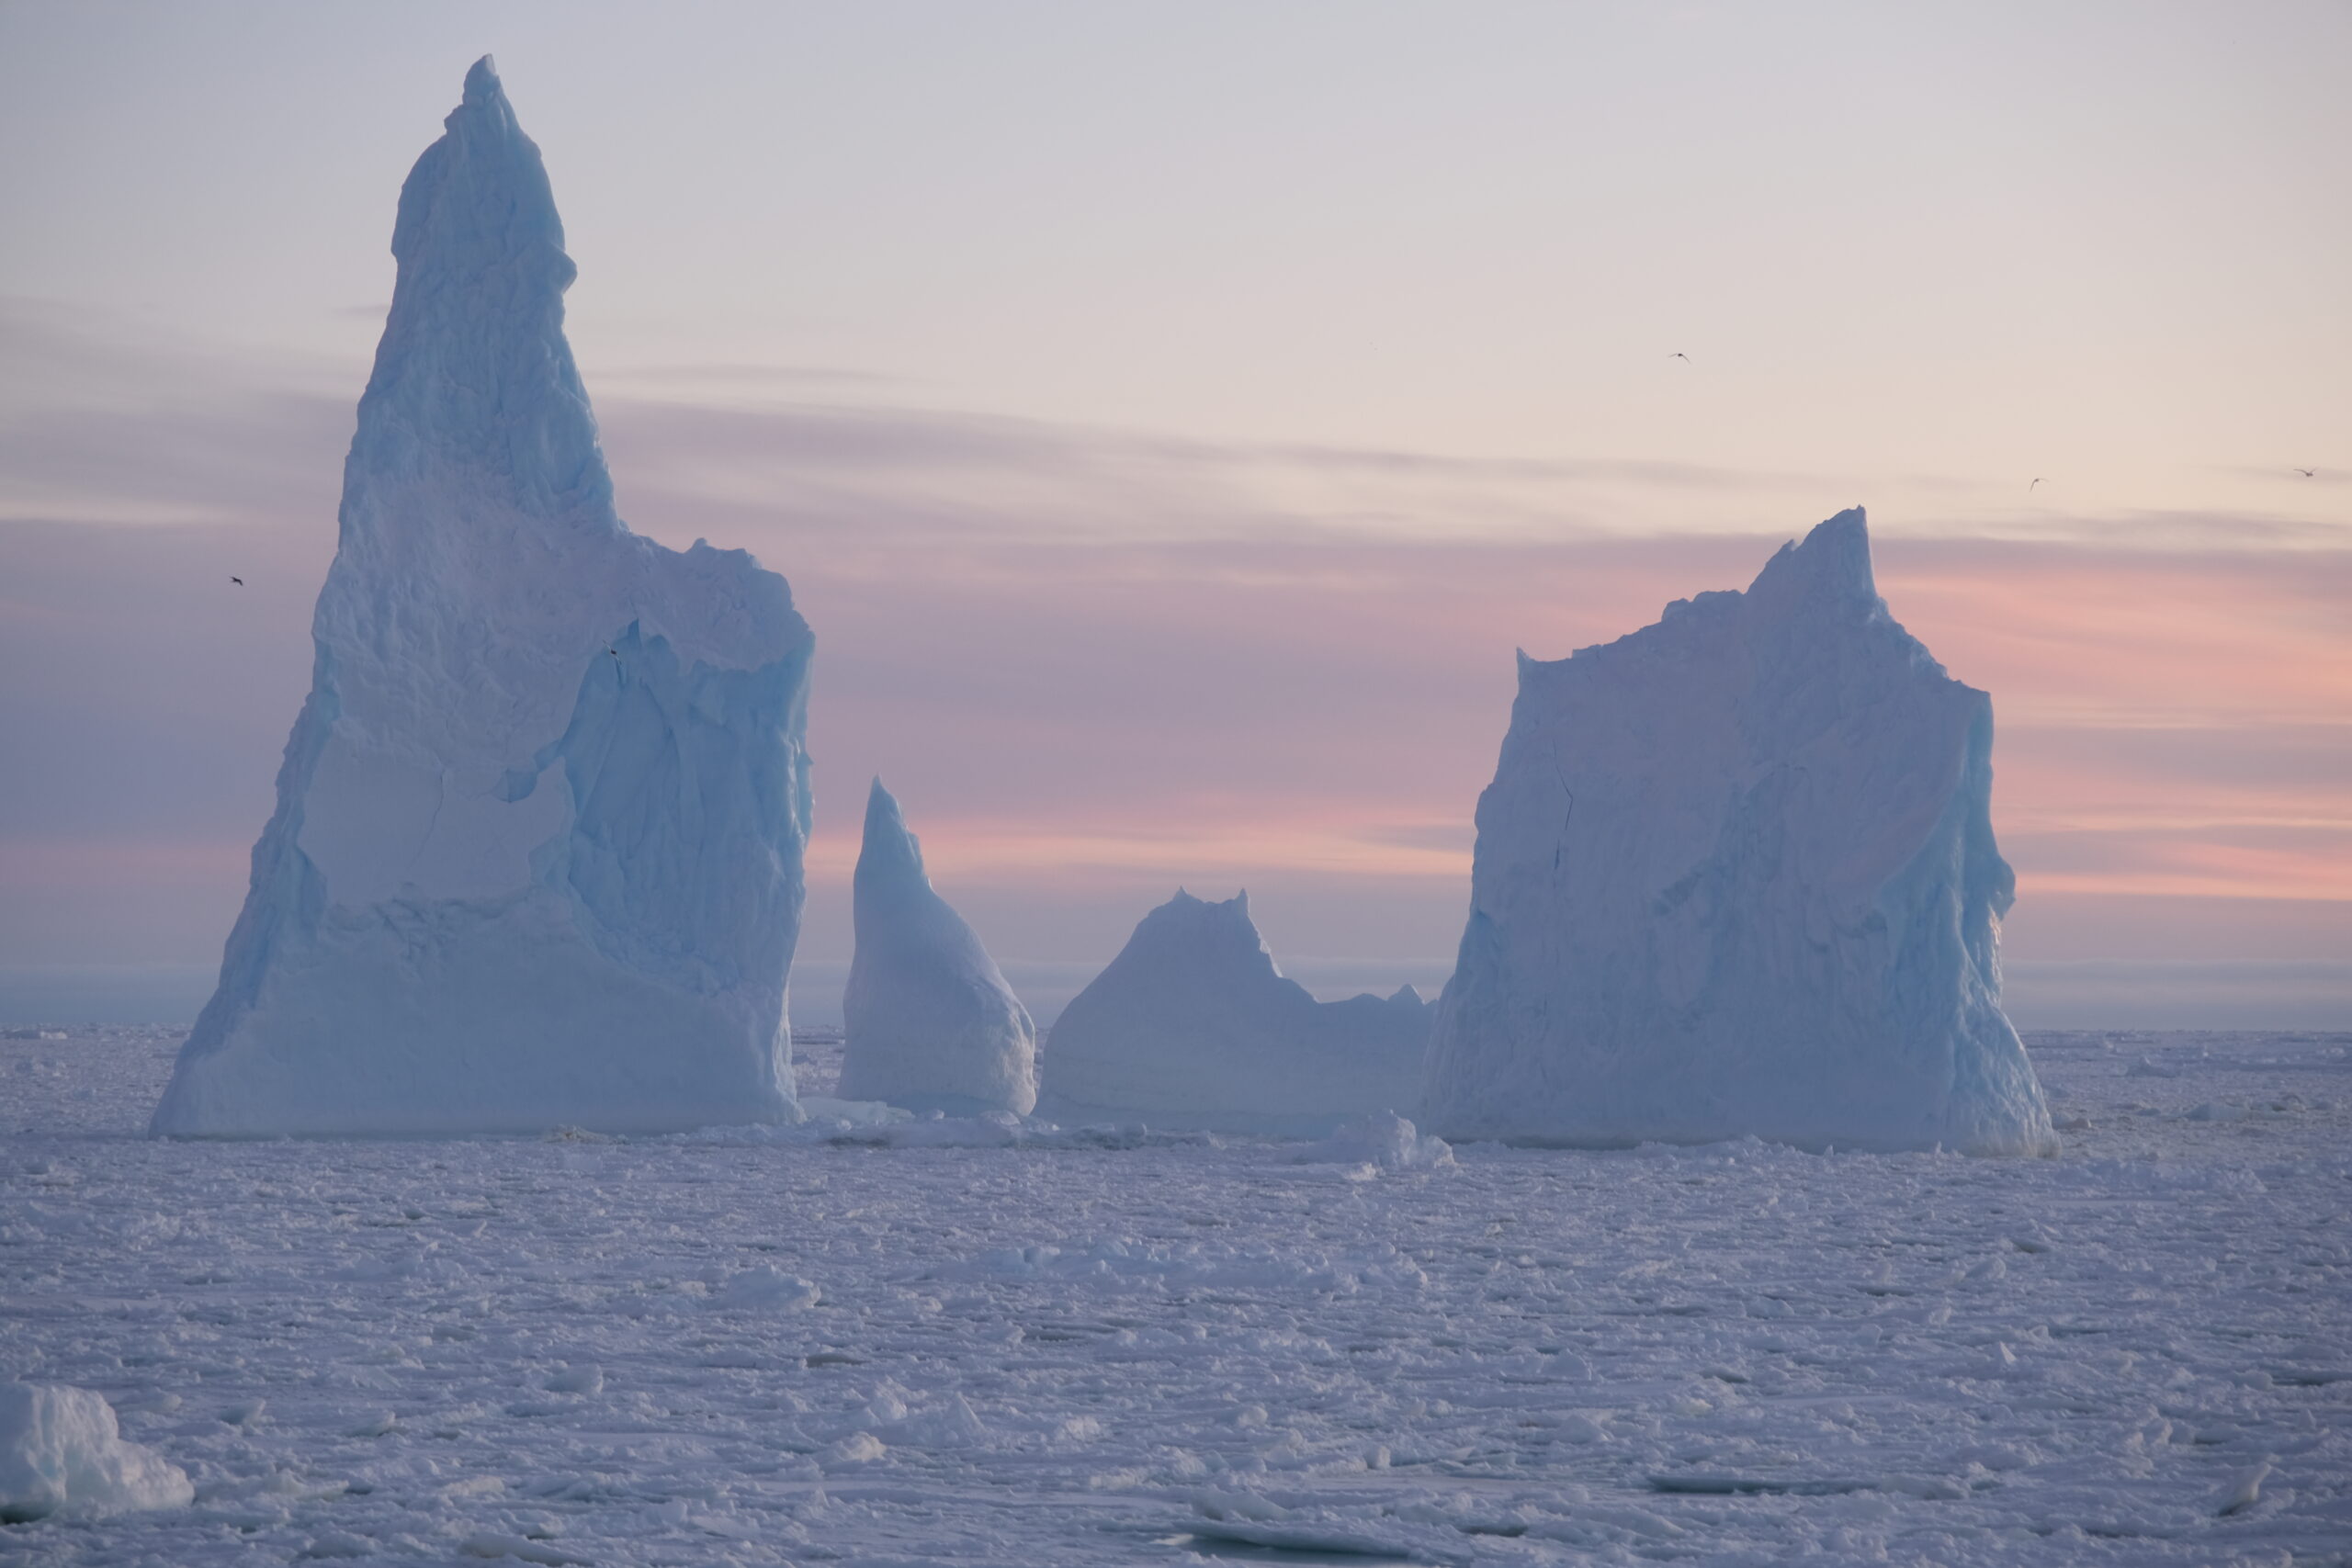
(536, 856)
(602, 1347)
(929, 1023)
(61, 1452)
(1735, 874)
(1193, 1026)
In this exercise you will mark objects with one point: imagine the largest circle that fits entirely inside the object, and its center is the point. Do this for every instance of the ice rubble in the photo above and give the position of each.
(1735, 874)
(61, 1452)
(929, 1023)
(1382, 1140)
(536, 855)
(1192, 1026)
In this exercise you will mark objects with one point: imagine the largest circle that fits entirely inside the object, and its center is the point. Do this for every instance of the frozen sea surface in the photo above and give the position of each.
(1155, 1349)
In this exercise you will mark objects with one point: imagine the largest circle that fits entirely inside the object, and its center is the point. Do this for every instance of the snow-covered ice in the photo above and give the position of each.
(720, 1350)
(536, 855)
(1735, 874)
(1193, 1026)
(60, 1452)
(1383, 1140)
(929, 1023)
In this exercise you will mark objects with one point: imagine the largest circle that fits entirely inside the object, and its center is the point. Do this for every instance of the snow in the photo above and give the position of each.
(536, 855)
(1735, 874)
(1193, 1026)
(61, 1452)
(929, 1023)
(1072, 1353)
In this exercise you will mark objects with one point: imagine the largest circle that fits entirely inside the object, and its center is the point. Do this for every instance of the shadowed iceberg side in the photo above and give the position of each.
(1735, 874)
(1193, 1026)
(536, 855)
(929, 1023)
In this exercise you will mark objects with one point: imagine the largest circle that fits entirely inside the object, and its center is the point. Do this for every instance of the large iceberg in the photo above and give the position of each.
(536, 856)
(1735, 874)
(1194, 1027)
(929, 1023)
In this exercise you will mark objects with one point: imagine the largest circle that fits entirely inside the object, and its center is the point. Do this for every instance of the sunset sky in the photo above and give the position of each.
(1170, 417)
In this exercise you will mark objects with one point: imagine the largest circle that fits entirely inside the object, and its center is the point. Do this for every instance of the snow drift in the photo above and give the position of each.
(1735, 874)
(1192, 1026)
(929, 1023)
(61, 1452)
(536, 855)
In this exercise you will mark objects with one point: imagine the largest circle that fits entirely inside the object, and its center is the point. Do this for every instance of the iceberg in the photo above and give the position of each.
(928, 1024)
(1193, 1028)
(1736, 875)
(537, 854)
(61, 1452)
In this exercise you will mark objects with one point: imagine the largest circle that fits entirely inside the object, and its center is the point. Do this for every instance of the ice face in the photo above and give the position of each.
(536, 855)
(1735, 874)
(929, 1023)
(1193, 1026)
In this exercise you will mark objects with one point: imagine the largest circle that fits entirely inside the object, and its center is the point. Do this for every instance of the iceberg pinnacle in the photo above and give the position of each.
(1193, 1026)
(1736, 874)
(931, 1025)
(537, 854)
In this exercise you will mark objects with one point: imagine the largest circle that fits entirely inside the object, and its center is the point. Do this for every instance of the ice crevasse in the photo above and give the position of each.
(1736, 874)
(536, 853)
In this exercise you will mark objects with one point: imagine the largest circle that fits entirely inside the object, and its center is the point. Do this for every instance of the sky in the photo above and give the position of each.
(1170, 418)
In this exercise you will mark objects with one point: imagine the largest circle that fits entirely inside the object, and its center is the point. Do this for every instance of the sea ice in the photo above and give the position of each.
(928, 1024)
(1735, 874)
(536, 855)
(1193, 1026)
(1743, 1352)
(61, 1452)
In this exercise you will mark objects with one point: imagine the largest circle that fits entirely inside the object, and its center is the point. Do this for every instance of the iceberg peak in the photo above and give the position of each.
(1832, 564)
(888, 849)
(482, 85)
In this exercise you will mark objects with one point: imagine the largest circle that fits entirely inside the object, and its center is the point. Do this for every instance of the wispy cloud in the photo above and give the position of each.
(1097, 664)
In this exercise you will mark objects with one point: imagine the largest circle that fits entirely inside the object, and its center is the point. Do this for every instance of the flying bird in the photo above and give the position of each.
(238, 580)
(614, 651)
(1679, 355)
(2028, 490)
(2307, 473)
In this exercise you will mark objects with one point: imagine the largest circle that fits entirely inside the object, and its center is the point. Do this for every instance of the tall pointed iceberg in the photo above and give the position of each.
(929, 1023)
(1735, 874)
(536, 855)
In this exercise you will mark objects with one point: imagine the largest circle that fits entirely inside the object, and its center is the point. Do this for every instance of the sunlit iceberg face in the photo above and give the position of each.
(1735, 874)
(536, 856)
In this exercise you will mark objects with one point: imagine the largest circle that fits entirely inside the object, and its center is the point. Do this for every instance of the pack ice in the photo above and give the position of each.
(929, 1023)
(536, 855)
(1194, 1027)
(1735, 874)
